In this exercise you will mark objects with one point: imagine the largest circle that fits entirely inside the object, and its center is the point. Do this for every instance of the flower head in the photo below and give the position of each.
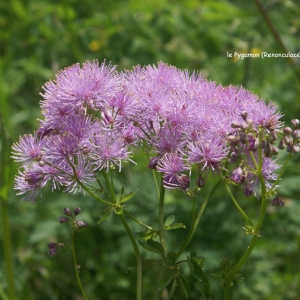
(172, 165)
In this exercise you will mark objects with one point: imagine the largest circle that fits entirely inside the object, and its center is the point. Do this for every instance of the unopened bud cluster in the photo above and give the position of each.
(53, 248)
(291, 138)
(72, 217)
(244, 140)
(77, 224)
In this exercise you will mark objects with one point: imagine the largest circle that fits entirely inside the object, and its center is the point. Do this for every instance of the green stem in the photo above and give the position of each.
(156, 183)
(238, 267)
(103, 188)
(7, 249)
(237, 205)
(110, 186)
(76, 266)
(93, 195)
(197, 220)
(161, 217)
(138, 221)
(138, 258)
(257, 228)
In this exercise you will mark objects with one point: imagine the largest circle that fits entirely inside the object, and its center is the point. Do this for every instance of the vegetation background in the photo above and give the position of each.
(38, 38)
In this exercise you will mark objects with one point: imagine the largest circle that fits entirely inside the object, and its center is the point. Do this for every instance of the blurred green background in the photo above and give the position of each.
(38, 38)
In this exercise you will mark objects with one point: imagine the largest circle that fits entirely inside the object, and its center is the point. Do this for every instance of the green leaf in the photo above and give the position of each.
(128, 196)
(120, 194)
(105, 214)
(145, 264)
(197, 273)
(166, 279)
(147, 234)
(183, 290)
(169, 220)
(172, 290)
(175, 226)
(122, 190)
(171, 258)
(193, 254)
(152, 246)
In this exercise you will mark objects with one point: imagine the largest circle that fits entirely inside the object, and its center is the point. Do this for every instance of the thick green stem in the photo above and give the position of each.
(76, 267)
(162, 234)
(7, 249)
(197, 220)
(138, 258)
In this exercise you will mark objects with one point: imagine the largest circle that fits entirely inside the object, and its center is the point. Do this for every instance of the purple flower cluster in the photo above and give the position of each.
(94, 117)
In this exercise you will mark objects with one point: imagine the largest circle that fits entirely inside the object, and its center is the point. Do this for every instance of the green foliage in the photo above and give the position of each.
(40, 37)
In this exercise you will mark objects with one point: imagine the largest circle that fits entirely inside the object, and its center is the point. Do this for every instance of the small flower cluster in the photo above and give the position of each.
(291, 138)
(77, 225)
(95, 117)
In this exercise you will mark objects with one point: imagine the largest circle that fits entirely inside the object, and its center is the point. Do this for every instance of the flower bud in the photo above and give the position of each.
(269, 151)
(243, 138)
(281, 144)
(63, 219)
(77, 211)
(67, 211)
(295, 149)
(253, 143)
(234, 155)
(244, 115)
(289, 147)
(244, 126)
(231, 138)
(81, 224)
(34, 178)
(237, 176)
(275, 151)
(295, 123)
(249, 122)
(248, 190)
(153, 162)
(41, 163)
(263, 144)
(184, 181)
(200, 181)
(287, 130)
(287, 140)
(277, 202)
(273, 137)
(52, 251)
(296, 134)
(51, 245)
(236, 125)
